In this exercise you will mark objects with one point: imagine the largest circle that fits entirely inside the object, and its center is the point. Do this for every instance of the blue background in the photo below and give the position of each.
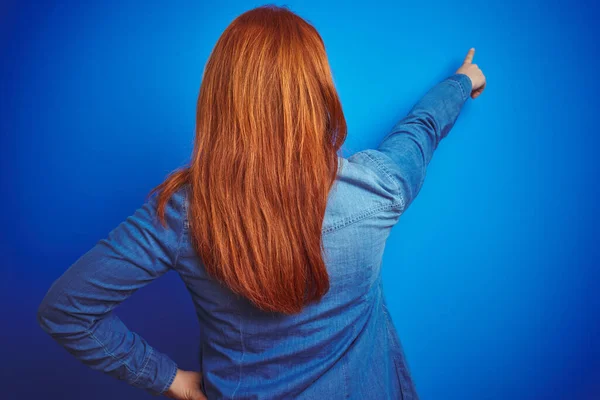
(492, 273)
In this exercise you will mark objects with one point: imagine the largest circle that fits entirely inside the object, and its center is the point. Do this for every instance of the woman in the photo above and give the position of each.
(278, 239)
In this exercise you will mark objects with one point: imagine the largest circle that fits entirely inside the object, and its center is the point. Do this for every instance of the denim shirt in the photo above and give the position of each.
(343, 347)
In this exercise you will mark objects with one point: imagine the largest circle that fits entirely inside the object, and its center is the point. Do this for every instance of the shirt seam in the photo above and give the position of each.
(91, 334)
(385, 171)
(359, 217)
(143, 369)
(180, 241)
(169, 381)
(241, 359)
(185, 211)
(460, 86)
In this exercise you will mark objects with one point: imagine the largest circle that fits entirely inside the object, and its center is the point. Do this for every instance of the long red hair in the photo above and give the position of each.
(269, 125)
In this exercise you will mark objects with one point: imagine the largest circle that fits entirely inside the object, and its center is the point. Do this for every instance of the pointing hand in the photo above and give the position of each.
(474, 73)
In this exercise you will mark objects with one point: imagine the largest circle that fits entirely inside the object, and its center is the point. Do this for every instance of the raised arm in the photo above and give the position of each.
(407, 150)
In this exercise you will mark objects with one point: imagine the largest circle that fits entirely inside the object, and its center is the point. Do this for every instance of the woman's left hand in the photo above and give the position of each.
(186, 386)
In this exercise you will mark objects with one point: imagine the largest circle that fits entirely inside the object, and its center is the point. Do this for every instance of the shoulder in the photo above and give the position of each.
(376, 175)
(377, 164)
(363, 188)
(175, 211)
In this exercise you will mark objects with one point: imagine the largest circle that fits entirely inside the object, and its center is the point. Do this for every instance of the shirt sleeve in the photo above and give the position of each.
(406, 151)
(78, 309)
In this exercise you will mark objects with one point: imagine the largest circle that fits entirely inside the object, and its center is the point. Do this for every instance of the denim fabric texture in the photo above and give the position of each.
(344, 347)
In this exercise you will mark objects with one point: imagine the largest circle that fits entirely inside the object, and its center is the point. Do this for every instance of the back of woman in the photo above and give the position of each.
(343, 346)
(278, 239)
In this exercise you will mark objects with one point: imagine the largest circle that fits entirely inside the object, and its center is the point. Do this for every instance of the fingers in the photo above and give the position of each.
(477, 92)
(469, 57)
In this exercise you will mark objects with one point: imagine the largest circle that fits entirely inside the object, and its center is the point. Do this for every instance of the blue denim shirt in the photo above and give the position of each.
(344, 347)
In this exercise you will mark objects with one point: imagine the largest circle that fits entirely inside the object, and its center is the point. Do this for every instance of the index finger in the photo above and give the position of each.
(469, 57)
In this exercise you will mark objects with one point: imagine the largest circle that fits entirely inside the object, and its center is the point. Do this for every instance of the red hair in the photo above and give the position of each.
(269, 125)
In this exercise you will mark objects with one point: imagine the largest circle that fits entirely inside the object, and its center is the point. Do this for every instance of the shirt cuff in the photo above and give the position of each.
(158, 373)
(465, 84)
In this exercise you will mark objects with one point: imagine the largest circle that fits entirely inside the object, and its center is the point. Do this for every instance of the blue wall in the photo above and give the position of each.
(491, 275)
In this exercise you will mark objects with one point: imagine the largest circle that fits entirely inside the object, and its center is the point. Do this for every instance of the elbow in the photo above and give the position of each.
(51, 316)
(59, 320)
(45, 317)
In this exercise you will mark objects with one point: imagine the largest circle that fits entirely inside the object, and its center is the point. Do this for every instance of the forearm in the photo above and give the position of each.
(407, 150)
(107, 345)
(430, 119)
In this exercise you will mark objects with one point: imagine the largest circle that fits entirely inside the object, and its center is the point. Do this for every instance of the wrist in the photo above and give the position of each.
(465, 83)
(172, 388)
